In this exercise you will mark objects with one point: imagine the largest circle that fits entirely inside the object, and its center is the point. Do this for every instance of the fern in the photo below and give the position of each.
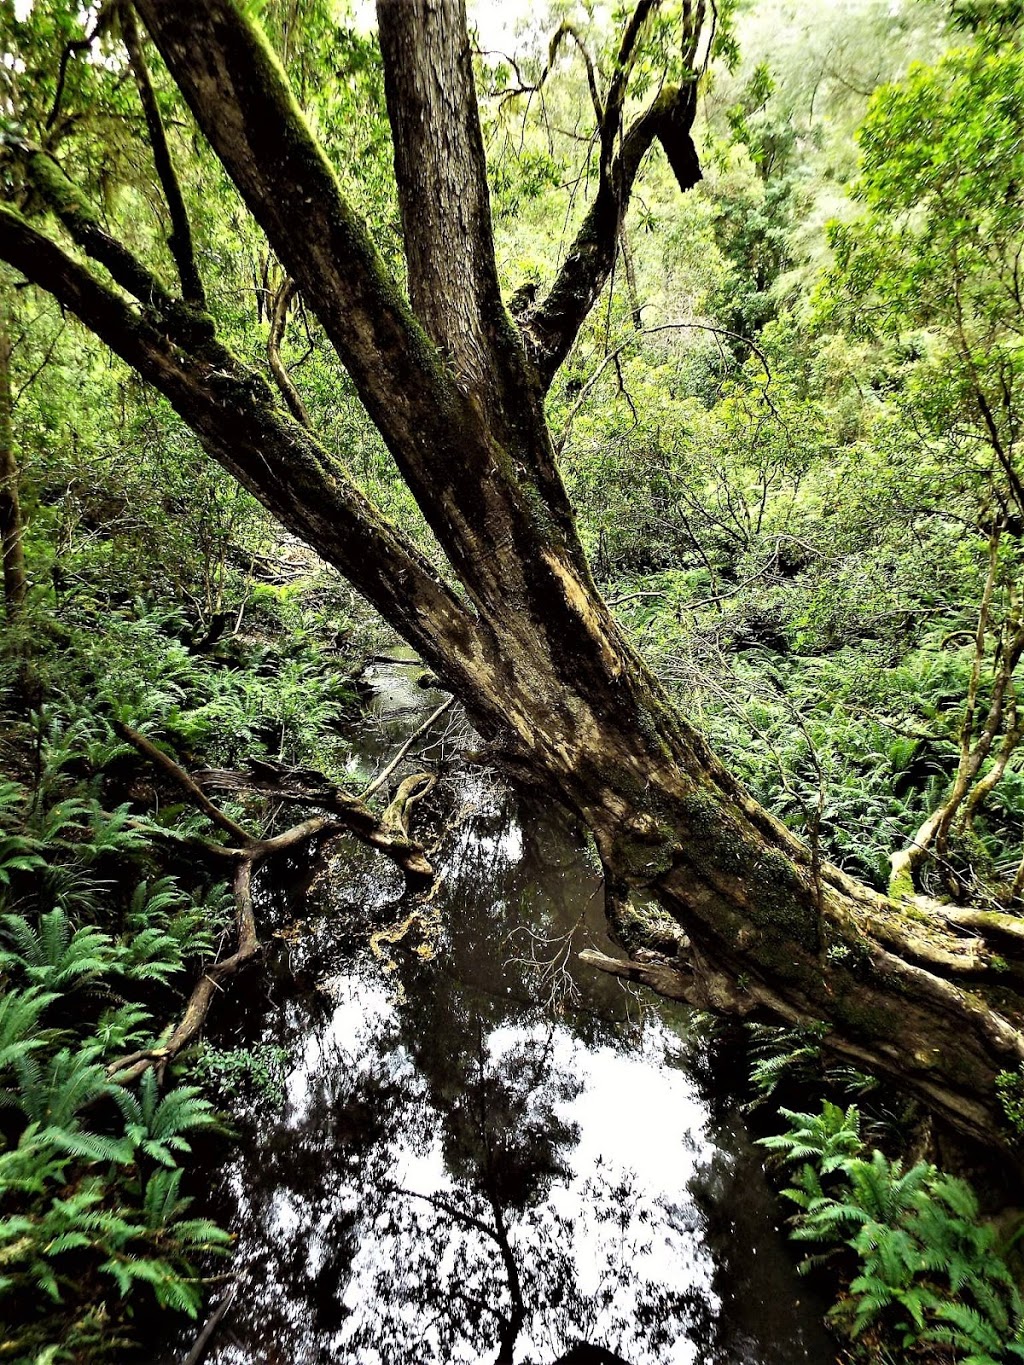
(157, 1126)
(928, 1271)
(122, 1027)
(82, 927)
(164, 926)
(827, 1138)
(20, 1031)
(965, 1328)
(18, 854)
(779, 1054)
(54, 955)
(54, 1098)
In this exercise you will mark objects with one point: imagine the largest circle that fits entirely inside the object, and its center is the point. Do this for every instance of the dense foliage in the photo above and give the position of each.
(927, 1270)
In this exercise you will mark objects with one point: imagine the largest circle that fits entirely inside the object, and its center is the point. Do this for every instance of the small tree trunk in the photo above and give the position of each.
(11, 539)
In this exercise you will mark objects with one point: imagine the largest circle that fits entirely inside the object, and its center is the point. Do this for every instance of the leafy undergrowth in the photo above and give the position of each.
(105, 916)
(93, 952)
(925, 1278)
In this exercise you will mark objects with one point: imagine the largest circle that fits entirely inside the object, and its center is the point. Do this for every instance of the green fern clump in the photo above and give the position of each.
(92, 948)
(99, 943)
(778, 1054)
(90, 1205)
(157, 1125)
(928, 1272)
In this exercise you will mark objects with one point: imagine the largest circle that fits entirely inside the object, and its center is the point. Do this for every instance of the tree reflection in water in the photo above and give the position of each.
(493, 1247)
(458, 1178)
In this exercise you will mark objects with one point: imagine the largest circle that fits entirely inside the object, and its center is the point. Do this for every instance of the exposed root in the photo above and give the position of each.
(676, 979)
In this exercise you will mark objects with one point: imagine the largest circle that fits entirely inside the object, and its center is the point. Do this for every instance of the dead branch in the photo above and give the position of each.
(190, 787)
(389, 834)
(199, 1350)
(130, 1068)
(413, 789)
(382, 777)
(307, 787)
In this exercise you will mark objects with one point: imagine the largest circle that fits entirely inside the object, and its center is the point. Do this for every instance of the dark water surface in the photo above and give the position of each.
(486, 1153)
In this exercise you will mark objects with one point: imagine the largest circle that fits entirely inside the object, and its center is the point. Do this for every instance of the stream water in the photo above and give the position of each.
(484, 1152)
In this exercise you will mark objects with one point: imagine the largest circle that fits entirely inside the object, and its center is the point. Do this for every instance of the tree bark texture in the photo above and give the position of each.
(11, 528)
(456, 388)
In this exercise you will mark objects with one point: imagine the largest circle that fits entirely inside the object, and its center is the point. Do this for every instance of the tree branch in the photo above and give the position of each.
(383, 776)
(610, 124)
(440, 171)
(278, 319)
(83, 225)
(551, 329)
(390, 835)
(567, 30)
(231, 410)
(349, 813)
(240, 96)
(71, 49)
(180, 240)
(474, 464)
(190, 787)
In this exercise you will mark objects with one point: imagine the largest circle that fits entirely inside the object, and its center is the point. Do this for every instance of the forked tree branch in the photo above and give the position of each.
(567, 30)
(278, 321)
(240, 96)
(389, 834)
(610, 126)
(552, 328)
(463, 454)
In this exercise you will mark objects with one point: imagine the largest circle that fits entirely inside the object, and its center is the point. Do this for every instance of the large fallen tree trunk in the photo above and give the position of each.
(456, 388)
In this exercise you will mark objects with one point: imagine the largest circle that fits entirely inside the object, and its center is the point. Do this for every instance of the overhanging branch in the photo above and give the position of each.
(231, 409)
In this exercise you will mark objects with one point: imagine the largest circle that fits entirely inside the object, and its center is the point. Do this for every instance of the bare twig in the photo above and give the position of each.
(382, 777)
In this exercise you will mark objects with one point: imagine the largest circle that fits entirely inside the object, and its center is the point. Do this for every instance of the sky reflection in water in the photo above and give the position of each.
(460, 1175)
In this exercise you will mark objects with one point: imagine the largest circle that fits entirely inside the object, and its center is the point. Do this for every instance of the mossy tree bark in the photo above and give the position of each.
(456, 388)
(11, 528)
